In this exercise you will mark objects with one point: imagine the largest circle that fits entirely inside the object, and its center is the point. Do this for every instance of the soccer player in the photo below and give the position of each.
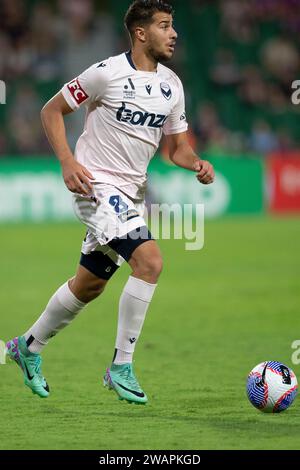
(131, 99)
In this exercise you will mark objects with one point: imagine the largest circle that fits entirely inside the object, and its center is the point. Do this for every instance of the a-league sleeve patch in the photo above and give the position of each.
(77, 91)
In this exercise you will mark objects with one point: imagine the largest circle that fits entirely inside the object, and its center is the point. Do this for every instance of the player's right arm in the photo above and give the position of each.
(75, 175)
(86, 89)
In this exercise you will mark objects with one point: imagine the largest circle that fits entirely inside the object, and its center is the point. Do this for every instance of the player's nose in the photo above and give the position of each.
(174, 34)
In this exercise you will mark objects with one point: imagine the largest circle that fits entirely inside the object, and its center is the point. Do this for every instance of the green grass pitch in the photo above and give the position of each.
(215, 315)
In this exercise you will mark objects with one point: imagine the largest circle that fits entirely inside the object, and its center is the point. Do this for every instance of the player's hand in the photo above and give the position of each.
(77, 178)
(205, 172)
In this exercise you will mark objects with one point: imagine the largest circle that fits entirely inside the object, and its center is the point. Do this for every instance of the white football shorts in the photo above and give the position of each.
(107, 213)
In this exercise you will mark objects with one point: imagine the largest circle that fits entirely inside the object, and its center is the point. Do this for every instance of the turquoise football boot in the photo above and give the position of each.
(30, 363)
(122, 380)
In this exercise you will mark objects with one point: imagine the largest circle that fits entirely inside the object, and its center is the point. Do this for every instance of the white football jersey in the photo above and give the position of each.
(127, 112)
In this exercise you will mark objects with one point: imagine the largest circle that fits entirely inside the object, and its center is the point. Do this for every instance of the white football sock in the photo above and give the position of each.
(62, 308)
(134, 303)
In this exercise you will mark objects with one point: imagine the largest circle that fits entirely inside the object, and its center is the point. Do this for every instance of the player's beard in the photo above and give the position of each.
(157, 55)
(154, 51)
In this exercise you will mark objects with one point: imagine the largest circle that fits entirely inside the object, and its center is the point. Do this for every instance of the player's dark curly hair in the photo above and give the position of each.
(140, 13)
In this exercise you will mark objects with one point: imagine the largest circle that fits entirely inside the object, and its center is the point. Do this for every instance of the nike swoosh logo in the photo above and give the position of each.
(138, 394)
(27, 372)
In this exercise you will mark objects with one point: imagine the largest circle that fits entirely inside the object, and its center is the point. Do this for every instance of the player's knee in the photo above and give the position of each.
(157, 266)
(88, 291)
(150, 268)
(94, 289)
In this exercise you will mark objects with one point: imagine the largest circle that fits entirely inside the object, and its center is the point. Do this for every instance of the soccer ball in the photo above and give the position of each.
(272, 387)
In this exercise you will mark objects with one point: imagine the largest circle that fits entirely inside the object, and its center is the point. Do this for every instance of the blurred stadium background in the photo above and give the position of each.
(237, 60)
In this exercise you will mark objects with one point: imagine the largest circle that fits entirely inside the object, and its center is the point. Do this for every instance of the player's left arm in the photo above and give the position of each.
(182, 154)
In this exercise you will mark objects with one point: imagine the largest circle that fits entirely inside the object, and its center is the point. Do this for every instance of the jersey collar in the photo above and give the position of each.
(131, 63)
(129, 58)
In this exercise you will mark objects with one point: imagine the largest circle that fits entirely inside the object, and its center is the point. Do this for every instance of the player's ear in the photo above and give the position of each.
(140, 34)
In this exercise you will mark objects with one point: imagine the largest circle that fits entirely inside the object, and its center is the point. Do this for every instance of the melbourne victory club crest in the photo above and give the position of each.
(166, 90)
(129, 90)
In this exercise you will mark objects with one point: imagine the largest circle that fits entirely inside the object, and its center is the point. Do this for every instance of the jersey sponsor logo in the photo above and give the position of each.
(131, 84)
(166, 90)
(77, 91)
(139, 118)
(129, 90)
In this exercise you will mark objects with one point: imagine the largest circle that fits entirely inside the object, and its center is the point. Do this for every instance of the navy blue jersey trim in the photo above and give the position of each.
(129, 58)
